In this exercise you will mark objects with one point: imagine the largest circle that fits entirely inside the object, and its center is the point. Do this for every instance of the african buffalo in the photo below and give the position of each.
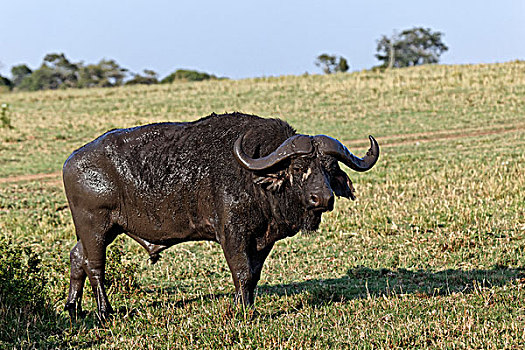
(236, 179)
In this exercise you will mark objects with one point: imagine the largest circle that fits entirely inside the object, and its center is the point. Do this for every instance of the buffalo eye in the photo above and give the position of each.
(299, 165)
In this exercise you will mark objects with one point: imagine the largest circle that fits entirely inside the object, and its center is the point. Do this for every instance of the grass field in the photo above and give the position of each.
(432, 254)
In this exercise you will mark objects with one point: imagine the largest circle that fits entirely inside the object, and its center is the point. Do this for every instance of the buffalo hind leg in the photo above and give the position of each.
(76, 284)
(96, 235)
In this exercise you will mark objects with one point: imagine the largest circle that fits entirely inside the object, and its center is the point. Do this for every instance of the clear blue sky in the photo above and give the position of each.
(247, 38)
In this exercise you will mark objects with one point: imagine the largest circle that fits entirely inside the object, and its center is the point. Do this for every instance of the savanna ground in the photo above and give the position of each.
(432, 253)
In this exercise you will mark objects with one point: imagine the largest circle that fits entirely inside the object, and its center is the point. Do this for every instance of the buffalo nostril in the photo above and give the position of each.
(315, 200)
(320, 201)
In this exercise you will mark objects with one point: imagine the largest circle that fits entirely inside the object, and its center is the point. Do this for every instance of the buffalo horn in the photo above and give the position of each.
(294, 145)
(333, 147)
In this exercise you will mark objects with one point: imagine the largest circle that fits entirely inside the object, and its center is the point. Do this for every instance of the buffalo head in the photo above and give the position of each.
(308, 165)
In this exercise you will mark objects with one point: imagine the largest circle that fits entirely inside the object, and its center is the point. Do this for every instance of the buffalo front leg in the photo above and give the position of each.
(77, 279)
(245, 264)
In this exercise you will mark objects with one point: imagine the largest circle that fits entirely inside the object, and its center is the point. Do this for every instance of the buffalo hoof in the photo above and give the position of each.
(76, 313)
(105, 316)
(154, 258)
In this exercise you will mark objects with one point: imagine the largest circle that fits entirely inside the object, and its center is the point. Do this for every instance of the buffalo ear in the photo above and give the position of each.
(341, 185)
(271, 182)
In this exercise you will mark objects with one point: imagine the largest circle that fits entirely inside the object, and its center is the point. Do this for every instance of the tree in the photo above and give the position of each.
(41, 79)
(65, 72)
(149, 77)
(331, 63)
(412, 47)
(55, 72)
(18, 73)
(106, 73)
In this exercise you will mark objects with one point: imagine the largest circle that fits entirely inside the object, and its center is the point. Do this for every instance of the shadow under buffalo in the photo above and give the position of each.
(363, 282)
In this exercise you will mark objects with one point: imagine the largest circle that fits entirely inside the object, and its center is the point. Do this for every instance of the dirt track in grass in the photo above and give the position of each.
(387, 141)
(406, 139)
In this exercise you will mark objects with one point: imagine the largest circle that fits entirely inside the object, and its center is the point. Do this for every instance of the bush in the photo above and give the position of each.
(187, 75)
(22, 280)
(150, 77)
(5, 84)
(27, 318)
(332, 63)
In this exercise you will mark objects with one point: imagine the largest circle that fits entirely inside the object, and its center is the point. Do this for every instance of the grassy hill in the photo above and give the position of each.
(430, 255)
